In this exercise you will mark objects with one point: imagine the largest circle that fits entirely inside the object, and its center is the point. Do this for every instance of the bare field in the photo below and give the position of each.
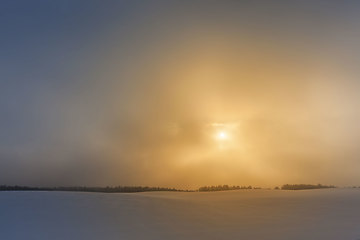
(329, 214)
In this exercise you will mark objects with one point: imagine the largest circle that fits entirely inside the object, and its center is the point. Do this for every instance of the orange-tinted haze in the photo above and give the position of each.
(185, 95)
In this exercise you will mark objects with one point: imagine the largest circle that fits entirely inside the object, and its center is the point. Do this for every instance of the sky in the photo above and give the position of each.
(179, 93)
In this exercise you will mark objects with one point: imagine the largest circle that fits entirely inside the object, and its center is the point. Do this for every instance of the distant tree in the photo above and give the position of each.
(222, 188)
(304, 186)
(118, 189)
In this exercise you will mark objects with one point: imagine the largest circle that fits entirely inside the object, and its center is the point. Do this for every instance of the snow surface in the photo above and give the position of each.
(245, 214)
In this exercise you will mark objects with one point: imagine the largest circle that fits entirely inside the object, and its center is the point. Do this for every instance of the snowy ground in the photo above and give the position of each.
(245, 214)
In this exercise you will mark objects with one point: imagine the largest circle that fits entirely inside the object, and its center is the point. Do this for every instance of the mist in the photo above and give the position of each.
(134, 94)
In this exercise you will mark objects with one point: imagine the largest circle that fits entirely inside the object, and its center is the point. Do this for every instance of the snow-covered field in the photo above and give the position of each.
(245, 214)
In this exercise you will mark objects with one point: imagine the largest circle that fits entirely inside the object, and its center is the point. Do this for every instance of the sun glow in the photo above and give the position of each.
(221, 136)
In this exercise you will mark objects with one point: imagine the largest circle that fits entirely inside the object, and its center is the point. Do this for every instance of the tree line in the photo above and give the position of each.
(133, 189)
(305, 186)
(222, 188)
(118, 189)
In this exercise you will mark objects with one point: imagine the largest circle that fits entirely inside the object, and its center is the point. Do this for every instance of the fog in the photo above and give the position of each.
(134, 94)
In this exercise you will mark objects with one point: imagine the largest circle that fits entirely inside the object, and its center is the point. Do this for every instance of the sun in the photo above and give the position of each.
(221, 136)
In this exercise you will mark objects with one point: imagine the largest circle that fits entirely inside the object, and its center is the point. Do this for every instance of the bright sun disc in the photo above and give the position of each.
(222, 135)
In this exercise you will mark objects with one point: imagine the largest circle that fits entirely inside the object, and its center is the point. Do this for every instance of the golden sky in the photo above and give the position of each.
(181, 94)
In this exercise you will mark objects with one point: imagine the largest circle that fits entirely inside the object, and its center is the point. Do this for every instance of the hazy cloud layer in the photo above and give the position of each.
(135, 93)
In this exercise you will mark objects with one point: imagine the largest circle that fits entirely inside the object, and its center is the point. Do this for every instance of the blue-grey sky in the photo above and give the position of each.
(138, 92)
